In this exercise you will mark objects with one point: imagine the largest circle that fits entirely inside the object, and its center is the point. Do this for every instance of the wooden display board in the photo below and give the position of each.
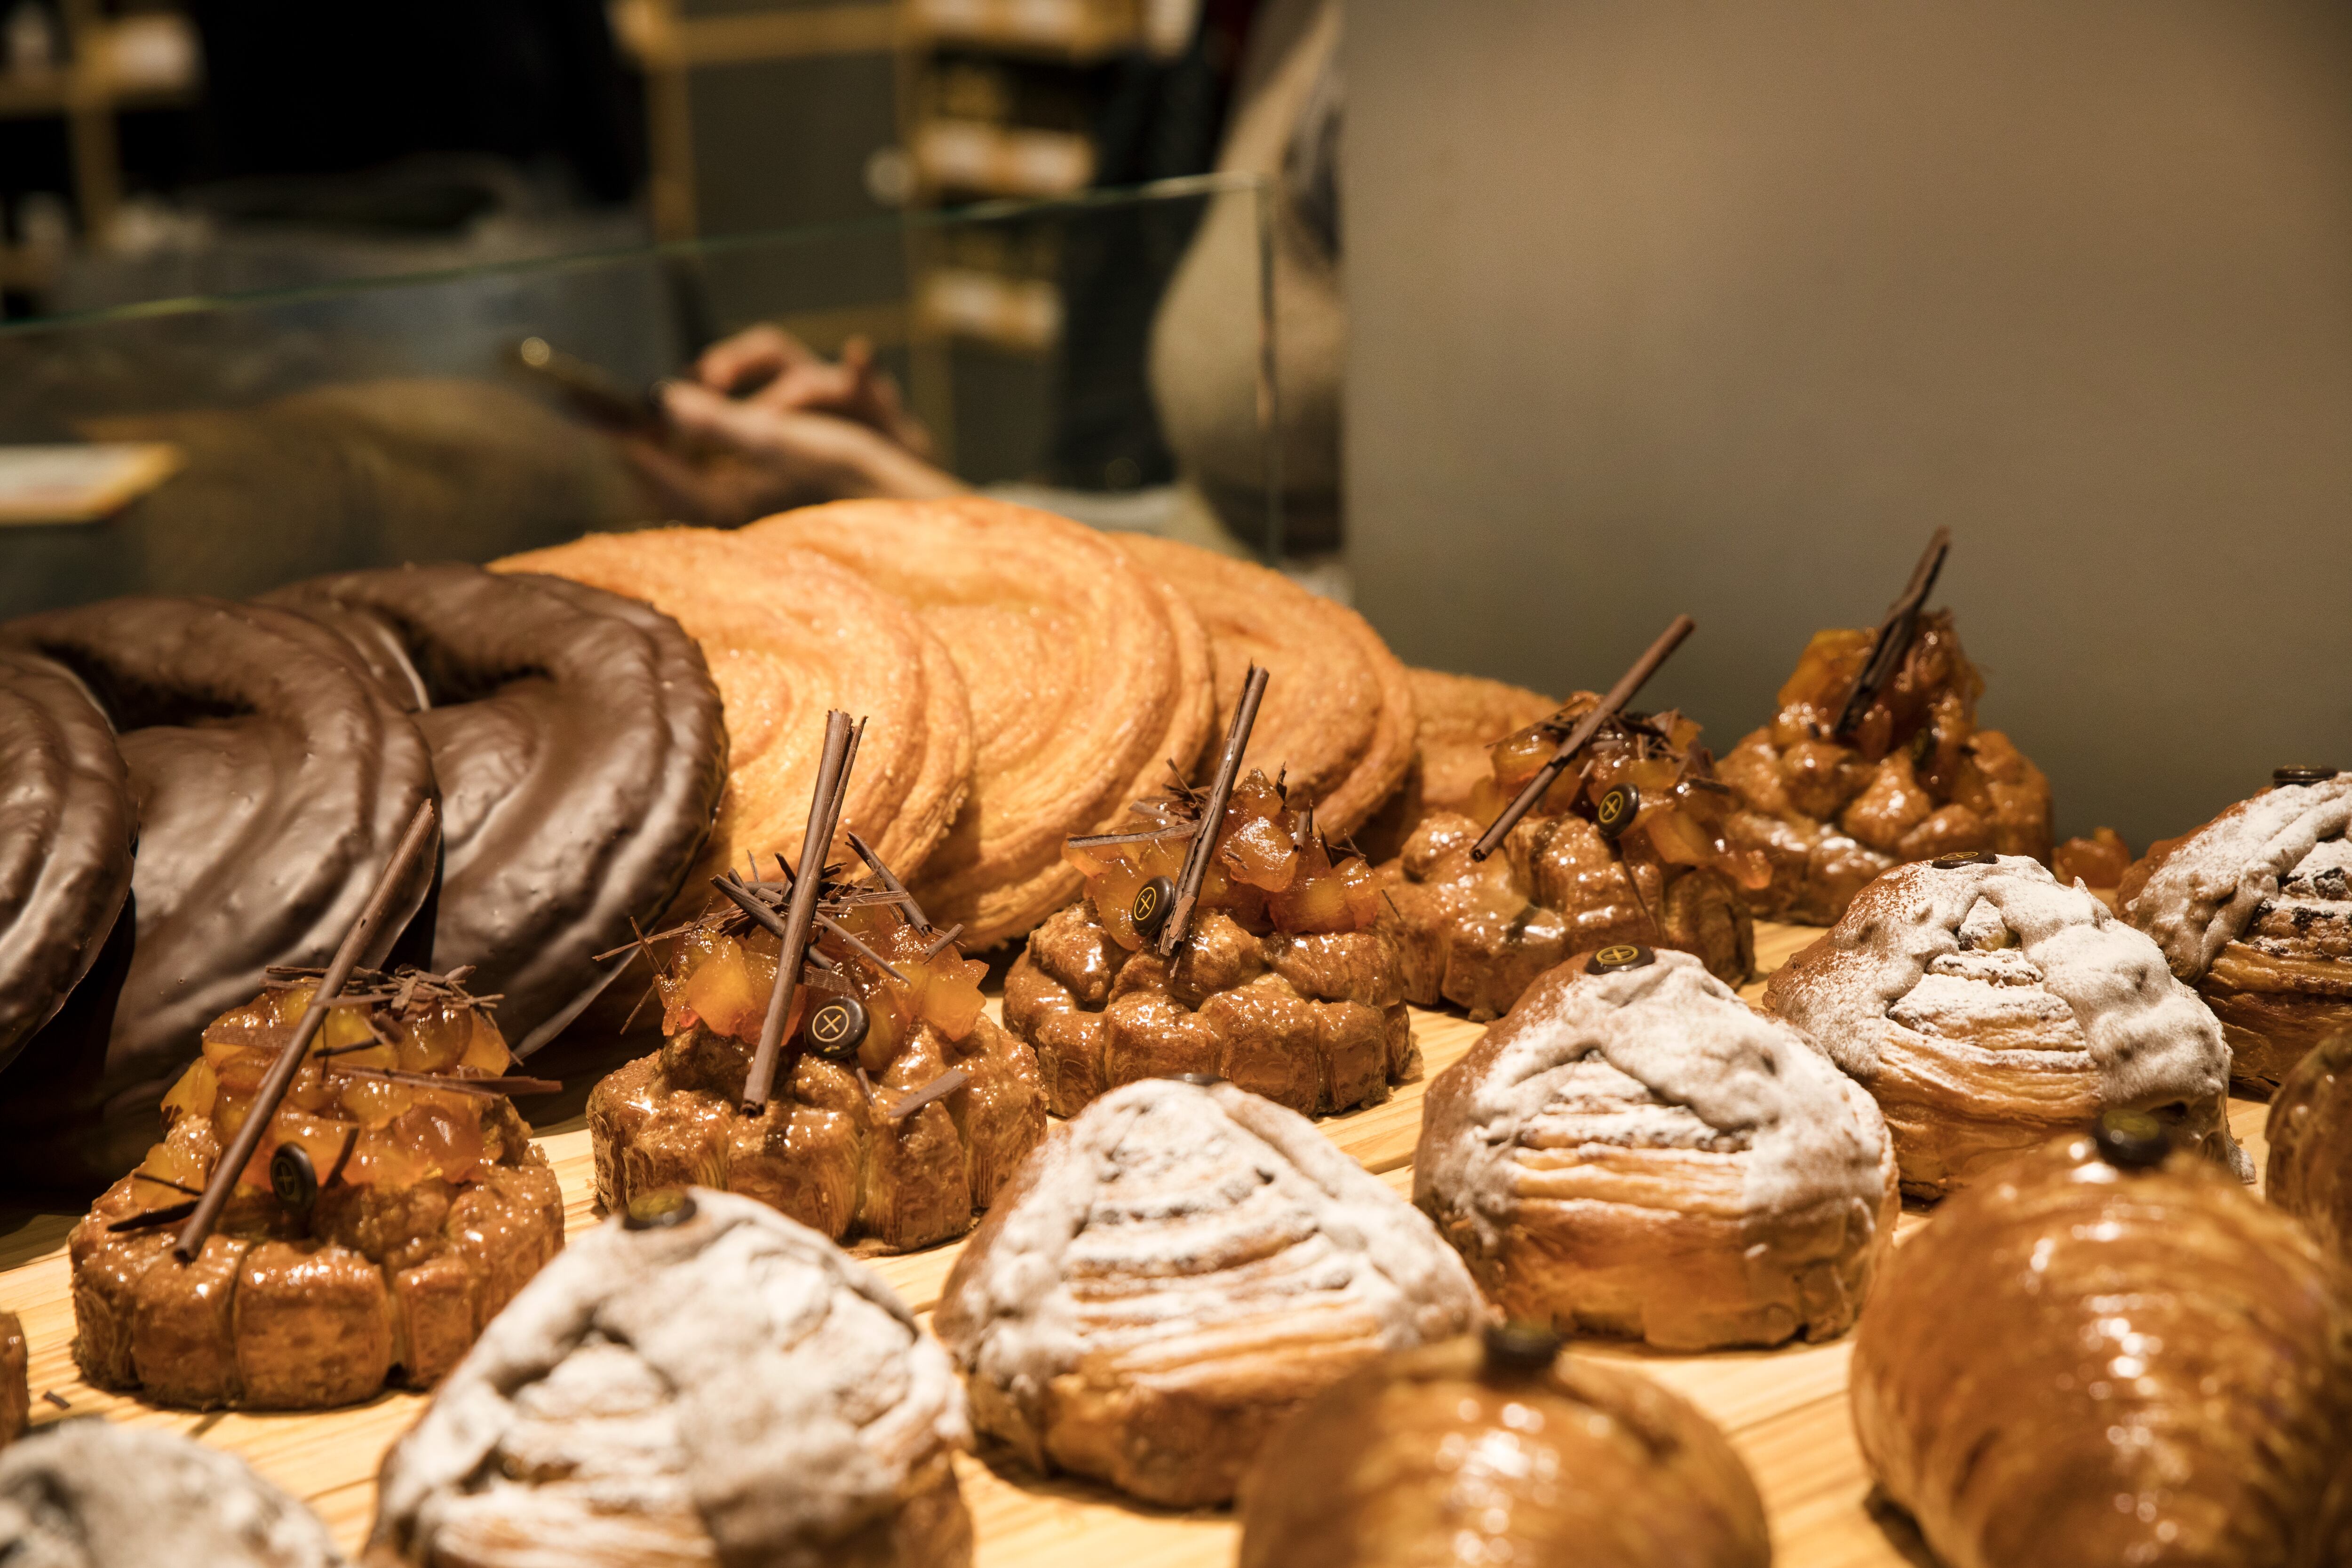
(1784, 1410)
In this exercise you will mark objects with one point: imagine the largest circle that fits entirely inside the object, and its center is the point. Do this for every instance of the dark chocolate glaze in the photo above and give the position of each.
(580, 751)
(272, 777)
(67, 823)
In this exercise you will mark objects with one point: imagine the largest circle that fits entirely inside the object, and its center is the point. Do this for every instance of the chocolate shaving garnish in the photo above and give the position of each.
(824, 815)
(1631, 681)
(882, 874)
(1182, 830)
(746, 897)
(1894, 635)
(351, 1142)
(166, 1182)
(154, 1217)
(845, 934)
(1213, 813)
(942, 942)
(509, 1085)
(280, 1076)
(60, 1400)
(939, 1087)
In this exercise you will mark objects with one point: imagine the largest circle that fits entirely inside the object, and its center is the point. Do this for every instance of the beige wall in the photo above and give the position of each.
(1721, 306)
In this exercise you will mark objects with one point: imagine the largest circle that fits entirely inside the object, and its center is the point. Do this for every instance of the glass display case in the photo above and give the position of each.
(381, 420)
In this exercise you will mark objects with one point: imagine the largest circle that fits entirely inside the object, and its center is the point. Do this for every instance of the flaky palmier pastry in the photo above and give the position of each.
(1916, 778)
(1285, 983)
(1175, 1271)
(1500, 1451)
(1635, 1150)
(2309, 1172)
(1088, 677)
(699, 1380)
(2253, 910)
(395, 1203)
(2102, 1353)
(1626, 847)
(95, 1494)
(1338, 716)
(898, 1129)
(787, 635)
(1987, 1008)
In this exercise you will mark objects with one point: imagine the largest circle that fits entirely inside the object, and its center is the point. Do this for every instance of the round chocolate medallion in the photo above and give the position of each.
(1619, 956)
(836, 1028)
(1150, 911)
(293, 1177)
(1614, 812)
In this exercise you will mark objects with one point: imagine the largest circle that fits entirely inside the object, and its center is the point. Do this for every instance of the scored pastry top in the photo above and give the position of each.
(2202, 894)
(1168, 1210)
(713, 1367)
(1664, 1055)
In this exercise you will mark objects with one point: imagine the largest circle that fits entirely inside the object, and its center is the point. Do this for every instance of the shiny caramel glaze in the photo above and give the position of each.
(823, 1150)
(2310, 1134)
(1476, 934)
(1917, 779)
(2077, 1366)
(1286, 985)
(441, 1211)
(1434, 1458)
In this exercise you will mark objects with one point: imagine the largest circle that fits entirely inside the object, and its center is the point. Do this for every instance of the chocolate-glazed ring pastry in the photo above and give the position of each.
(394, 1205)
(580, 753)
(1502, 1451)
(701, 1381)
(2087, 1362)
(15, 1392)
(1917, 779)
(2253, 910)
(273, 777)
(1626, 847)
(1988, 1008)
(1635, 1150)
(66, 836)
(93, 1494)
(2309, 1172)
(1286, 984)
(1173, 1274)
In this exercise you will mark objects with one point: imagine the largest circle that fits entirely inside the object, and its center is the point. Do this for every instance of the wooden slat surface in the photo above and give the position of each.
(1784, 1410)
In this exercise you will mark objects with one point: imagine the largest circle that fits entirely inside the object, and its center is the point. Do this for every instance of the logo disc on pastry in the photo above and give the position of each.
(293, 1178)
(836, 1028)
(1614, 812)
(1520, 1349)
(2130, 1140)
(659, 1209)
(1618, 957)
(1150, 911)
(2302, 775)
(1959, 857)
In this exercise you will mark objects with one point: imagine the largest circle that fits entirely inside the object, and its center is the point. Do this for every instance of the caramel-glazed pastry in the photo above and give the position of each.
(1457, 720)
(897, 1129)
(787, 635)
(1285, 983)
(1635, 1150)
(93, 1494)
(701, 1381)
(395, 1203)
(2253, 910)
(1628, 848)
(2112, 1358)
(1916, 778)
(2309, 1174)
(1088, 678)
(1338, 717)
(1503, 1451)
(1988, 1008)
(1174, 1272)
(15, 1392)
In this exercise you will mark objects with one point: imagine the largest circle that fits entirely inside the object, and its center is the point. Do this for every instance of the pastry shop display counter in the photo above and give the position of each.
(1785, 1411)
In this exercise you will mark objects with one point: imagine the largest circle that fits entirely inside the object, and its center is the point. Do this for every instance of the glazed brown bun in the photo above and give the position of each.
(1501, 1452)
(1639, 1152)
(2091, 1362)
(2310, 1134)
(2253, 910)
(1173, 1274)
(1987, 1008)
(15, 1392)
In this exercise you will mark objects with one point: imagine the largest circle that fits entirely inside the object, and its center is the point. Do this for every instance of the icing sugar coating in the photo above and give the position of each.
(91, 1494)
(1664, 1056)
(735, 1374)
(2206, 892)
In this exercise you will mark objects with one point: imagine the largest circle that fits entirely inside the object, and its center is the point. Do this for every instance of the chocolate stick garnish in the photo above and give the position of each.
(1586, 728)
(825, 802)
(882, 875)
(939, 1087)
(494, 1086)
(1213, 814)
(1894, 635)
(266, 1099)
(764, 914)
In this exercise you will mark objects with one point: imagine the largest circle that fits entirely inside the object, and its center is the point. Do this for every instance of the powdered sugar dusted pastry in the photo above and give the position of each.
(1174, 1272)
(91, 1494)
(1635, 1151)
(1988, 1008)
(2253, 911)
(699, 1381)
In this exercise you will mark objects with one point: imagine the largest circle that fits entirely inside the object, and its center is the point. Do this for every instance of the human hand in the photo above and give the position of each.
(767, 367)
(725, 461)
